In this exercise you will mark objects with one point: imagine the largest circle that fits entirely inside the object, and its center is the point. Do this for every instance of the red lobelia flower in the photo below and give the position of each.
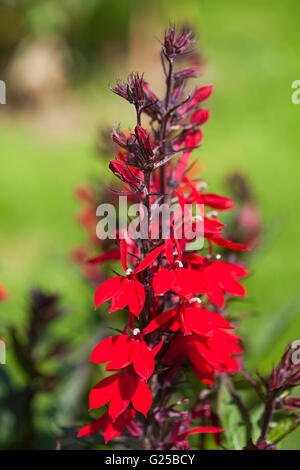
(207, 354)
(183, 281)
(121, 390)
(190, 318)
(122, 350)
(123, 290)
(222, 277)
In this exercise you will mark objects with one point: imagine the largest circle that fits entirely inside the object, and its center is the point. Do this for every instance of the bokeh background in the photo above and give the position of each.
(57, 58)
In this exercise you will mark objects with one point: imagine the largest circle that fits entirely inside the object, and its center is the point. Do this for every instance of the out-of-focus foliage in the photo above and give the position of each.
(86, 27)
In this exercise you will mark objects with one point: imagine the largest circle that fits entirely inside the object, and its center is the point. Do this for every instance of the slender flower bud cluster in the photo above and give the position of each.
(174, 297)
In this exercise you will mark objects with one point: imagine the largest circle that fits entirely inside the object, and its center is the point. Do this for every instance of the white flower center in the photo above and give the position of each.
(128, 271)
(201, 185)
(212, 214)
(179, 263)
(136, 331)
(195, 299)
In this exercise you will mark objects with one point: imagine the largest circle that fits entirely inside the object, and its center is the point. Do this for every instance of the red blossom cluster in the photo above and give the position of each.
(174, 297)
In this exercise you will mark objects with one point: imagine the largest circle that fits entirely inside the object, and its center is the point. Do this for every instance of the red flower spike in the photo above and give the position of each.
(173, 324)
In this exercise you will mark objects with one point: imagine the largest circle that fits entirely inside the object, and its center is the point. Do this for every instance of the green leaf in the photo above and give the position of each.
(234, 436)
(282, 428)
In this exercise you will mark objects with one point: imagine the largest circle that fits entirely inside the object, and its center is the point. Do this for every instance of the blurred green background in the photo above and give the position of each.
(57, 58)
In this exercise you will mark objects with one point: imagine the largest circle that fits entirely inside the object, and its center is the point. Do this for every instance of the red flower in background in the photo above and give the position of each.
(4, 293)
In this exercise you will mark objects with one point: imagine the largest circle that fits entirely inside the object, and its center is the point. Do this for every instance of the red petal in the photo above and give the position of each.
(117, 405)
(120, 299)
(149, 259)
(136, 296)
(163, 281)
(194, 322)
(218, 202)
(114, 429)
(142, 398)
(107, 290)
(233, 287)
(189, 281)
(123, 249)
(142, 359)
(127, 386)
(157, 347)
(103, 352)
(181, 165)
(120, 357)
(169, 250)
(203, 93)
(220, 241)
(158, 321)
(94, 427)
(103, 391)
(198, 430)
(214, 318)
(236, 270)
(200, 116)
